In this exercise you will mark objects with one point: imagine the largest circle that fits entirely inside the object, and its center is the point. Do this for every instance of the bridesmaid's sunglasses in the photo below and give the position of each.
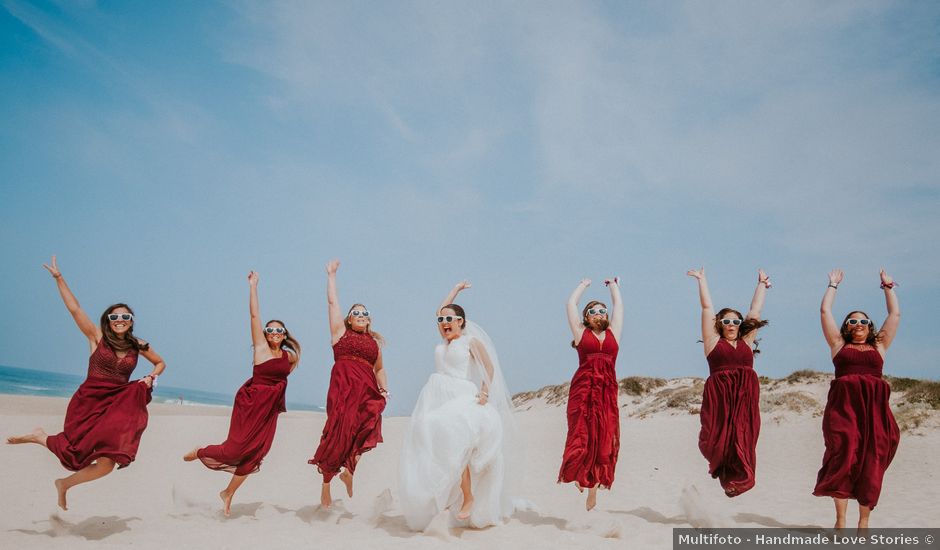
(121, 316)
(863, 322)
(599, 311)
(358, 313)
(275, 330)
(734, 322)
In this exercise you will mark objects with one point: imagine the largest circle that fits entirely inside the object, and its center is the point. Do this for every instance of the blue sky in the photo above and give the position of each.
(162, 150)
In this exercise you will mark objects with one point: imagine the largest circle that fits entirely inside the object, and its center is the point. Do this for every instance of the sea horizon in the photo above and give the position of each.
(35, 382)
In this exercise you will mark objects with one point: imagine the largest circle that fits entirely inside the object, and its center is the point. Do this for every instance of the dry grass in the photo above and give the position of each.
(923, 391)
(640, 385)
(795, 401)
(804, 375)
(901, 384)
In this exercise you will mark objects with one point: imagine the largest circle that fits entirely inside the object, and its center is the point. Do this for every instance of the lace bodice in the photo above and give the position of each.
(453, 359)
(356, 345)
(104, 363)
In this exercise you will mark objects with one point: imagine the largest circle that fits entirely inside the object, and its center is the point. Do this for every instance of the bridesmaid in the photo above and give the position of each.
(593, 441)
(257, 403)
(357, 394)
(108, 413)
(860, 432)
(730, 414)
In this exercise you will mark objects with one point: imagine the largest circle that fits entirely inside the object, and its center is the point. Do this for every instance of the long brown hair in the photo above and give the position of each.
(290, 343)
(115, 342)
(747, 325)
(379, 339)
(873, 335)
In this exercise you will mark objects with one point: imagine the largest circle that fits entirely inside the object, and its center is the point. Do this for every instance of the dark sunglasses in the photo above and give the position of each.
(121, 316)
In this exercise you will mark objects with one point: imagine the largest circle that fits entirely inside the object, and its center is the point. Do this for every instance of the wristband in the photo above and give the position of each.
(833, 286)
(892, 284)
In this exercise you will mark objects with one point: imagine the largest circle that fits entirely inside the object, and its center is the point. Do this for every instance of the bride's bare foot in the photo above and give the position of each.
(191, 455)
(61, 489)
(226, 503)
(326, 500)
(591, 501)
(464, 513)
(347, 480)
(36, 436)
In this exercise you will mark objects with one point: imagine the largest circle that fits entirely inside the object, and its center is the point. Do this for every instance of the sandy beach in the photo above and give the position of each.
(160, 501)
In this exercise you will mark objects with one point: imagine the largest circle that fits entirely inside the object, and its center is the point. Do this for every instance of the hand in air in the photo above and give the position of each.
(763, 278)
(697, 273)
(836, 276)
(886, 280)
(253, 278)
(463, 285)
(53, 269)
(585, 283)
(331, 267)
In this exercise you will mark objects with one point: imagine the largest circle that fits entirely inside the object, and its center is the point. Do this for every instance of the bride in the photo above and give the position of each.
(455, 450)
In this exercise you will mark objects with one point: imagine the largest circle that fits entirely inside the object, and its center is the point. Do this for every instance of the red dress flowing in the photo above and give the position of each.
(254, 420)
(107, 414)
(860, 432)
(353, 406)
(730, 416)
(593, 441)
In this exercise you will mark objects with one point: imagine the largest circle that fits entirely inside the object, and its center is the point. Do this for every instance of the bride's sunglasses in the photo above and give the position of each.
(734, 322)
(121, 316)
(863, 322)
(275, 330)
(448, 318)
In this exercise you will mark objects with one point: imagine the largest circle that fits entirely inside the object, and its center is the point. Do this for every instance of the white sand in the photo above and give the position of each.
(162, 502)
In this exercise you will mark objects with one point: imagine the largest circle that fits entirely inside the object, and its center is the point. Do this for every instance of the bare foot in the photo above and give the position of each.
(326, 500)
(840, 523)
(36, 436)
(347, 480)
(863, 523)
(591, 501)
(61, 489)
(464, 513)
(580, 488)
(226, 503)
(191, 455)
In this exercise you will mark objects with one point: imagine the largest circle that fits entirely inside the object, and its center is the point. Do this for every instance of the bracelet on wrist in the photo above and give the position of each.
(833, 286)
(890, 285)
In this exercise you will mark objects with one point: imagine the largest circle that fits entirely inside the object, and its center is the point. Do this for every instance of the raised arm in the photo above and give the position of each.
(710, 335)
(575, 322)
(88, 328)
(478, 351)
(254, 311)
(452, 295)
(829, 326)
(890, 327)
(616, 320)
(337, 326)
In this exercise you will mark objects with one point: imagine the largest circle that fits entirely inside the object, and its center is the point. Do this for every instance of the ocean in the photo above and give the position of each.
(16, 381)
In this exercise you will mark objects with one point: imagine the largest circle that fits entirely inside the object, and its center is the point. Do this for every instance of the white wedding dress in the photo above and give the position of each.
(450, 430)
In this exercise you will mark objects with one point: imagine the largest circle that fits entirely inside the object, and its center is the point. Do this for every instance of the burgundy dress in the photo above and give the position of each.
(353, 406)
(858, 427)
(593, 415)
(254, 420)
(731, 416)
(107, 414)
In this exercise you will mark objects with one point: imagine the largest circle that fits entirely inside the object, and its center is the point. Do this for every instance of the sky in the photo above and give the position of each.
(163, 149)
